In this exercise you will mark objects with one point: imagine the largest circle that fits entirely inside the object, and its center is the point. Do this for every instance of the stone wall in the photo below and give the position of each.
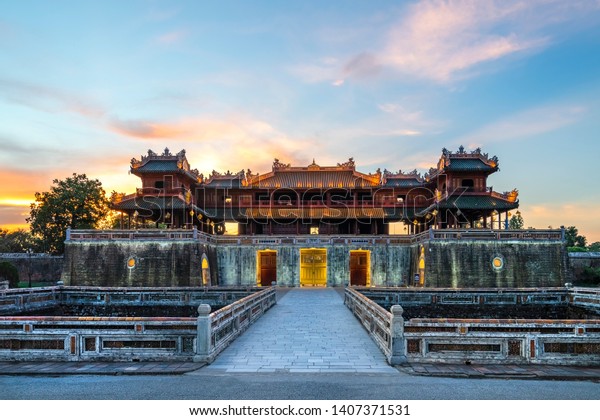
(136, 263)
(578, 261)
(460, 264)
(454, 264)
(43, 267)
(390, 264)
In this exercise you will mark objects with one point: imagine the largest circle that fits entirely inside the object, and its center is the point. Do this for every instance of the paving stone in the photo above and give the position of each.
(308, 329)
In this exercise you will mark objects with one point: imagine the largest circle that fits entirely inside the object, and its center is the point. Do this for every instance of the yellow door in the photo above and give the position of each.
(313, 267)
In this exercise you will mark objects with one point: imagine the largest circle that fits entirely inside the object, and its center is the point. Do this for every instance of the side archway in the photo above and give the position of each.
(205, 271)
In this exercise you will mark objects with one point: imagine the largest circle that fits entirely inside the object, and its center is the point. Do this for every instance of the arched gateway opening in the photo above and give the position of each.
(267, 267)
(313, 267)
(360, 264)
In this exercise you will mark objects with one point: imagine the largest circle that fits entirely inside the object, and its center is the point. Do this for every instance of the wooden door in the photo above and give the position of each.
(313, 267)
(267, 265)
(359, 268)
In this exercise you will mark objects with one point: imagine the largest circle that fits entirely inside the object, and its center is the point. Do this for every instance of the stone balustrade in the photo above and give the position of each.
(446, 340)
(126, 338)
(218, 329)
(551, 235)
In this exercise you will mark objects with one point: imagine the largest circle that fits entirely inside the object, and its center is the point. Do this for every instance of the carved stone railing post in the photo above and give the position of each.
(398, 354)
(203, 341)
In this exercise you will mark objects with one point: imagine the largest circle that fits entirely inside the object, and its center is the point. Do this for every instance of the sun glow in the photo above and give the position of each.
(15, 202)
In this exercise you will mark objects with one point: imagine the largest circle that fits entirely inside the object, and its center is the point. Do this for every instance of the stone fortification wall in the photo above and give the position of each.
(447, 263)
(495, 264)
(391, 265)
(43, 267)
(136, 263)
(579, 261)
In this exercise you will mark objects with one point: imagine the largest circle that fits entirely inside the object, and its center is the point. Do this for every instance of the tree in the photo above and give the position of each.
(516, 221)
(17, 241)
(76, 202)
(595, 247)
(573, 237)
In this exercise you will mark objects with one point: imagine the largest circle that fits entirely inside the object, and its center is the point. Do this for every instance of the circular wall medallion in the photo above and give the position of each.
(498, 263)
(131, 262)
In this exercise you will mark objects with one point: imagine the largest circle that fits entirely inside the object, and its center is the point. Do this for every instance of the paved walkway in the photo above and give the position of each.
(309, 330)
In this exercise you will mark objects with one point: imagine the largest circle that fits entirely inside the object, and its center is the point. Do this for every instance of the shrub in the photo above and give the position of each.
(10, 273)
(590, 276)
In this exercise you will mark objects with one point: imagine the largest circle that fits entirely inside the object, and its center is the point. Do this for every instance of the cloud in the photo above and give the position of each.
(325, 70)
(446, 40)
(148, 130)
(172, 37)
(440, 40)
(362, 65)
(48, 99)
(240, 140)
(525, 124)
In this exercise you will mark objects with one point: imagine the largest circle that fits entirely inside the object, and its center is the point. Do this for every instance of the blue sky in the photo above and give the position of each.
(86, 86)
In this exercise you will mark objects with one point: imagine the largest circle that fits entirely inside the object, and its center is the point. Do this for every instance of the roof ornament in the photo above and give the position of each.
(346, 165)
(461, 149)
(279, 165)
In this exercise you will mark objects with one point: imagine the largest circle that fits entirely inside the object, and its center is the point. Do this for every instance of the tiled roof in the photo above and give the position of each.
(403, 182)
(223, 183)
(314, 179)
(162, 166)
(315, 213)
(149, 203)
(478, 202)
(469, 164)
(158, 166)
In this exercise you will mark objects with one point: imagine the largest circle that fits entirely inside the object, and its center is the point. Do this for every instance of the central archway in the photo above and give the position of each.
(313, 267)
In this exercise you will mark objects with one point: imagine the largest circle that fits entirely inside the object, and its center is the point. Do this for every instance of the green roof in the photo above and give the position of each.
(147, 203)
(478, 202)
(158, 166)
(469, 164)
(224, 183)
(403, 182)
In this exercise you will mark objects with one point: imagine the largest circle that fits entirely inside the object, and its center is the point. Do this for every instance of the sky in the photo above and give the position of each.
(86, 86)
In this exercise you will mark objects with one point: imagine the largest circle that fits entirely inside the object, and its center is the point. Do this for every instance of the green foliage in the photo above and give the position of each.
(18, 241)
(576, 249)
(516, 221)
(573, 237)
(10, 273)
(76, 202)
(595, 247)
(590, 276)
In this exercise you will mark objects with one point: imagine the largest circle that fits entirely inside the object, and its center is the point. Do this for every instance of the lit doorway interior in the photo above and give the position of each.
(266, 267)
(313, 267)
(360, 268)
